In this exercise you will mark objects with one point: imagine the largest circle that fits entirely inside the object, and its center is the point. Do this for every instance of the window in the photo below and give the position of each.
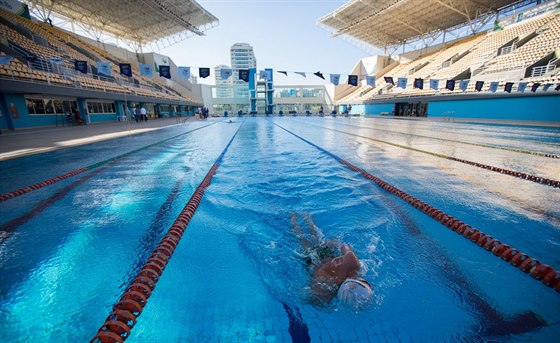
(101, 107)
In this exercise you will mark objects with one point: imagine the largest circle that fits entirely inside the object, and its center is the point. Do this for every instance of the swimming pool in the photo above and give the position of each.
(69, 250)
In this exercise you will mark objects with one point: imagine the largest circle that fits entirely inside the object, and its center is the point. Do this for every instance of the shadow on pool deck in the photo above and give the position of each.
(23, 142)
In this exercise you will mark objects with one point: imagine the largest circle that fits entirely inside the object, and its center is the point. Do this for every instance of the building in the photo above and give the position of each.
(242, 57)
(223, 87)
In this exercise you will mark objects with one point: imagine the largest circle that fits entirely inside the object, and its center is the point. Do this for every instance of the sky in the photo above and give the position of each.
(284, 35)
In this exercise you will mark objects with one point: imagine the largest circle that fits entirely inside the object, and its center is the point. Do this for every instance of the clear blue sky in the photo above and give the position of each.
(284, 36)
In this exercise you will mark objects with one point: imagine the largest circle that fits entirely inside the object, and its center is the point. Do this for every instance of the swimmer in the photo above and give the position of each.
(334, 270)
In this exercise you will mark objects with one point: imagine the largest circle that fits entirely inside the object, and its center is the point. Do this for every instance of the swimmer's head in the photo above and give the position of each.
(355, 293)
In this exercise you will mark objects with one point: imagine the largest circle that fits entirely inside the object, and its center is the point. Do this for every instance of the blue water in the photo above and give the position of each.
(236, 275)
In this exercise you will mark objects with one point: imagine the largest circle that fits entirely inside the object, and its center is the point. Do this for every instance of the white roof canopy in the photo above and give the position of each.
(141, 21)
(384, 23)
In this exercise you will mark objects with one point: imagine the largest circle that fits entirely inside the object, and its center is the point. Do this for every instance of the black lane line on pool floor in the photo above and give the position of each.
(493, 322)
(520, 175)
(10, 227)
(21, 191)
(535, 153)
(132, 302)
(539, 271)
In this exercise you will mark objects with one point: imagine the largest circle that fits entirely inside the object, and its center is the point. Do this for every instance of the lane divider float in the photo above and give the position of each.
(524, 176)
(55, 179)
(538, 270)
(117, 326)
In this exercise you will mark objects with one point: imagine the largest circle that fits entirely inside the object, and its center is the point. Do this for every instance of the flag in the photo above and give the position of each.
(370, 81)
(521, 87)
(80, 66)
(434, 84)
(389, 79)
(557, 87)
(401, 82)
(283, 72)
(164, 71)
(493, 86)
(125, 69)
(244, 75)
(419, 83)
(145, 70)
(353, 80)
(225, 73)
(450, 84)
(104, 68)
(546, 87)
(463, 84)
(55, 60)
(335, 78)
(508, 87)
(478, 86)
(535, 86)
(264, 74)
(318, 74)
(6, 59)
(300, 73)
(184, 72)
(203, 72)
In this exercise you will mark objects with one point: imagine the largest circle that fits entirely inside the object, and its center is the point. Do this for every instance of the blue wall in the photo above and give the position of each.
(524, 108)
(373, 108)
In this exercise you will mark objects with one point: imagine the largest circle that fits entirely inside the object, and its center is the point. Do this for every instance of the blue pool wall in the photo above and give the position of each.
(540, 108)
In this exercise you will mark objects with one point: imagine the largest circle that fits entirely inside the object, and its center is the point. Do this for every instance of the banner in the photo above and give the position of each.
(370, 81)
(535, 86)
(508, 87)
(184, 72)
(264, 75)
(203, 72)
(125, 69)
(418, 83)
(283, 72)
(463, 85)
(244, 75)
(401, 82)
(521, 87)
(546, 87)
(16, 7)
(353, 80)
(450, 84)
(493, 86)
(6, 59)
(318, 74)
(225, 73)
(164, 71)
(146, 70)
(55, 60)
(335, 79)
(557, 87)
(300, 73)
(80, 66)
(434, 84)
(478, 86)
(389, 79)
(104, 68)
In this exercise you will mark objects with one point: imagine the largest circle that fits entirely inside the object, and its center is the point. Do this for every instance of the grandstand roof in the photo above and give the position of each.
(393, 22)
(142, 21)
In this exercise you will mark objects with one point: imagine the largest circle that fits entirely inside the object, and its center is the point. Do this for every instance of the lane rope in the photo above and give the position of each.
(524, 176)
(538, 270)
(55, 179)
(122, 319)
(535, 153)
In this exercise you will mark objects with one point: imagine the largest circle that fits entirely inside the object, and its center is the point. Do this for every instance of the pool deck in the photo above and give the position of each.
(23, 142)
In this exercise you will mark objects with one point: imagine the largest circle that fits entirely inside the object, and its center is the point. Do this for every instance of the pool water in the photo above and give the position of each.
(69, 250)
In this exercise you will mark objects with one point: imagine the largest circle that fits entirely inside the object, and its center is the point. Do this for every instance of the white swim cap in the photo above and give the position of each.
(355, 292)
